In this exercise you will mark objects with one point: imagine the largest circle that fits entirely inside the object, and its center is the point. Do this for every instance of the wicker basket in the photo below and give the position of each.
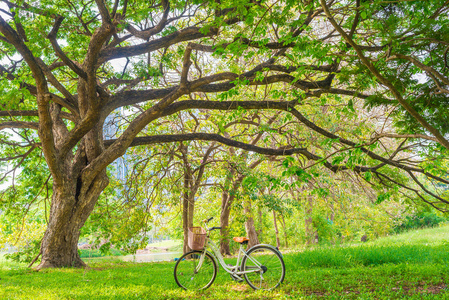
(197, 237)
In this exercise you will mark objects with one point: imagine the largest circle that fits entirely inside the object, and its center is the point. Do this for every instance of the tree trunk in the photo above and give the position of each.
(227, 198)
(186, 223)
(285, 230)
(332, 217)
(249, 226)
(68, 213)
(224, 224)
(260, 217)
(278, 242)
(191, 186)
(310, 234)
(185, 226)
(191, 210)
(60, 242)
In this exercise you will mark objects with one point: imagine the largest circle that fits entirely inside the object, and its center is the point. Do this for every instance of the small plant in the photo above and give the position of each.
(26, 254)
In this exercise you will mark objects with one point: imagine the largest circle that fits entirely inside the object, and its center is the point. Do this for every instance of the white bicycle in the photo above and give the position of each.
(261, 266)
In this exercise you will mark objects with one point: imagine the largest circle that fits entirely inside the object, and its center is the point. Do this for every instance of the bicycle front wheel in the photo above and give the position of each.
(194, 273)
(265, 267)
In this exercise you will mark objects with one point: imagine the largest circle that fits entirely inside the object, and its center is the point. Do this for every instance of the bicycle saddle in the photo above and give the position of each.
(241, 239)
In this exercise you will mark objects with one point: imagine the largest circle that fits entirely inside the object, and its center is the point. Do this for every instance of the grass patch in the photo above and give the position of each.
(365, 256)
(92, 253)
(413, 265)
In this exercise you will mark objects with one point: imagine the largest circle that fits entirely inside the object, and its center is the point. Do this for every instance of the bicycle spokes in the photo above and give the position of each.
(264, 268)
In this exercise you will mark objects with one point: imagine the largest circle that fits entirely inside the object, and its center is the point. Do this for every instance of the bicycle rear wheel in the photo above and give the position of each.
(191, 277)
(267, 265)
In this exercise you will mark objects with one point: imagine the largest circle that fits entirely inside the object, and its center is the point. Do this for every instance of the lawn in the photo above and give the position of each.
(414, 265)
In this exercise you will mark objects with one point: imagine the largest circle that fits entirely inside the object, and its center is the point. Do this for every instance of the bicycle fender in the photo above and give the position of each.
(267, 245)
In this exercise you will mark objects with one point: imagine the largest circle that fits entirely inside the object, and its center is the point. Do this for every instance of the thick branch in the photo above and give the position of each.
(412, 136)
(31, 113)
(422, 66)
(146, 34)
(157, 139)
(106, 18)
(71, 102)
(43, 100)
(206, 85)
(67, 61)
(188, 34)
(383, 80)
(119, 147)
(19, 124)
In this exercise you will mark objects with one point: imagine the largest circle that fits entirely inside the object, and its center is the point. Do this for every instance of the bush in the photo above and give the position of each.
(26, 254)
(421, 220)
(87, 253)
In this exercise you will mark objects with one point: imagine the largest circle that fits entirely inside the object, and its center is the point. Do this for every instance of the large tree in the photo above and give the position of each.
(67, 65)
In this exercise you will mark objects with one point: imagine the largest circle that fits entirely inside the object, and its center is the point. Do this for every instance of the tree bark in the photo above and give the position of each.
(227, 198)
(68, 213)
(60, 242)
(278, 242)
(249, 226)
(224, 222)
(260, 217)
(308, 222)
(284, 227)
(186, 223)
(188, 210)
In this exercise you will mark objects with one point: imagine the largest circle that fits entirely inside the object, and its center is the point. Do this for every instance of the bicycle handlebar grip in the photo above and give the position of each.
(208, 220)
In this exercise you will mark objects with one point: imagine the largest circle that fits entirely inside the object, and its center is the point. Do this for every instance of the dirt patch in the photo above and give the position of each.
(407, 290)
(436, 289)
(422, 287)
(240, 287)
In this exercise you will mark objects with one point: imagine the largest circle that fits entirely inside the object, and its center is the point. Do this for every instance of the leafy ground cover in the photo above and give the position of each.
(414, 265)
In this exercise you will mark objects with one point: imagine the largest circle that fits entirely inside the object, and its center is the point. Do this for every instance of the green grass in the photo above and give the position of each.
(429, 236)
(88, 253)
(414, 265)
(168, 245)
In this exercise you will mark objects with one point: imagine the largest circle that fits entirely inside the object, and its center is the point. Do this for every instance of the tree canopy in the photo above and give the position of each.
(345, 86)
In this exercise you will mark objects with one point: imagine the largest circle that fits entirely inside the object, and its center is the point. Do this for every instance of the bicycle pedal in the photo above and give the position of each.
(237, 279)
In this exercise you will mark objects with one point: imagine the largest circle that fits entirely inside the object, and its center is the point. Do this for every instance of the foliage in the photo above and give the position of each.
(98, 253)
(25, 237)
(420, 220)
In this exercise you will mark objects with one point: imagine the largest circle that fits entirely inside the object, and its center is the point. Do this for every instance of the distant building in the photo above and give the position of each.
(112, 130)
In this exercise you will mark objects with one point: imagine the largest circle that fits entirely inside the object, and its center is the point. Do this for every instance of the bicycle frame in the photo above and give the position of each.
(233, 270)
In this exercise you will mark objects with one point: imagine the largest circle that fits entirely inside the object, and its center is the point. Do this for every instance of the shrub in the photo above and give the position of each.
(420, 220)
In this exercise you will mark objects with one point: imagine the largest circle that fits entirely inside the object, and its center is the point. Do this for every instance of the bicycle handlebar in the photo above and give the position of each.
(213, 228)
